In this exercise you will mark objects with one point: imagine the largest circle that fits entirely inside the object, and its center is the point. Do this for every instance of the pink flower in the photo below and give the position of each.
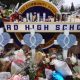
(17, 77)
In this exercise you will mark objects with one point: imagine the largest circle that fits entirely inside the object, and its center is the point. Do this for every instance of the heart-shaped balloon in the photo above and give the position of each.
(33, 41)
(4, 38)
(66, 41)
(1, 38)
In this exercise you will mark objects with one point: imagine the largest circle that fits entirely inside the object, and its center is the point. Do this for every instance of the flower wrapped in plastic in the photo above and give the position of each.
(19, 77)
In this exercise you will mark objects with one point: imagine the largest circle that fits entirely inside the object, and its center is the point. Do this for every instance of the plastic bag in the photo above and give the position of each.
(19, 77)
(25, 77)
(4, 75)
(19, 56)
(48, 73)
(15, 68)
(62, 67)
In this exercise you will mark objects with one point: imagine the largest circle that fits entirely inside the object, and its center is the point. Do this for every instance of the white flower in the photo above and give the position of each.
(47, 60)
(73, 59)
(44, 62)
(52, 62)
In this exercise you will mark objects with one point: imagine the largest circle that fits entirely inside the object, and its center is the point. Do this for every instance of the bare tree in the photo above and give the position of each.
(57, 2)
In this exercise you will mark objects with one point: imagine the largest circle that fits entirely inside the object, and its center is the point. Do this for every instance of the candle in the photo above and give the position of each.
(44, 16)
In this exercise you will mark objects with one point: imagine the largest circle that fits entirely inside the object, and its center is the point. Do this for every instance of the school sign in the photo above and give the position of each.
(42, 27)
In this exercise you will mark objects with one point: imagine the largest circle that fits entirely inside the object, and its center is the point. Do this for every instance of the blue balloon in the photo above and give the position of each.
(6, 38)
(66, 41)
(33, 41)
(57, 76)
(1, 38)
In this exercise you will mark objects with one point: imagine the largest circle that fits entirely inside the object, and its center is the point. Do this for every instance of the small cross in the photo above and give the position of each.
(33, 50)
(2, 31)
(65, 52)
